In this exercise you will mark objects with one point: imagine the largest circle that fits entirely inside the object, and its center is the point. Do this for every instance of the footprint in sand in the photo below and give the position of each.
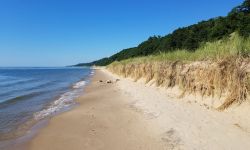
(172, 140)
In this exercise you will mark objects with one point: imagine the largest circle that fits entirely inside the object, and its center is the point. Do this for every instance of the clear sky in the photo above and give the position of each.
(65, 32)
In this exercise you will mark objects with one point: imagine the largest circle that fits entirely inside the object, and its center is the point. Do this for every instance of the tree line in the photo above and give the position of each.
(188, 38)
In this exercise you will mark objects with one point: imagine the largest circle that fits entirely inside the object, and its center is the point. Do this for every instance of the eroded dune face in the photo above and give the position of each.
(227, 80)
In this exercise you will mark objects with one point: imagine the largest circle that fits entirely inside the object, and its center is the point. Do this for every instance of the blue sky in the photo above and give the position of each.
(65, 32)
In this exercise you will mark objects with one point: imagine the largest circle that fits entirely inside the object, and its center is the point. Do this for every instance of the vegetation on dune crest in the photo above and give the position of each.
(234, 45)
(191, 38)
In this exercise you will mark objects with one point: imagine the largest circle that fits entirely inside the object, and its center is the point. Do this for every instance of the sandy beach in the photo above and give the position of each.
(103, 120)
(127, 115)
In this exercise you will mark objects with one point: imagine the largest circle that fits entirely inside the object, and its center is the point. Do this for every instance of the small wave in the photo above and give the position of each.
(92, 72)
(9, 81)
(16, 82)
(2, 77)
(79, 84)
(43, 85)
(18, 98)
(65, 101)
(31, 88)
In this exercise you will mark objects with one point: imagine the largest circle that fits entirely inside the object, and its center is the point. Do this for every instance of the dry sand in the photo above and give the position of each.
(129, 115)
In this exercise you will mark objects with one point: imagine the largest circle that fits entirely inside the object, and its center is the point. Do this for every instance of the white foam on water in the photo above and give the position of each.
(92, 72)
(79, 84)
(63, 102)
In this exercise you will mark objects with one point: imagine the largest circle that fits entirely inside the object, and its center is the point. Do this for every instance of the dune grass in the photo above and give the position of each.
(215, 69)
(227, 47)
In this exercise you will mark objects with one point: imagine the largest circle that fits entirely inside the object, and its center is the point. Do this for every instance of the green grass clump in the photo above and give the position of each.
(234, 45)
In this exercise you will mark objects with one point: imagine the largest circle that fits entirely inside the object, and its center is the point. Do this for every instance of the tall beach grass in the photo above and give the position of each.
(227, 47)
(215, 69)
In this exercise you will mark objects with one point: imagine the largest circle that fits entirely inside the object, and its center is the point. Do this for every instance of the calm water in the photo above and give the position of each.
(28, 95)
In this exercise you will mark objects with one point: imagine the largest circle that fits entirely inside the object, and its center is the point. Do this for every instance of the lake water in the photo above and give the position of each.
(28, 95)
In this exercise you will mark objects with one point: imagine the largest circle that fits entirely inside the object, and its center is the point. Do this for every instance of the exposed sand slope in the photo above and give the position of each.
(132, 115)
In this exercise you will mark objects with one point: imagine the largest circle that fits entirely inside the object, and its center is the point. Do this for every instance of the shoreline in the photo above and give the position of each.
(133, 115)
(100, 121)
(32, 127)
(21, 142)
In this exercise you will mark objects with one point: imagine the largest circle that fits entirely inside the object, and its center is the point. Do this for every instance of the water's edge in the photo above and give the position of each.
(39, 121)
